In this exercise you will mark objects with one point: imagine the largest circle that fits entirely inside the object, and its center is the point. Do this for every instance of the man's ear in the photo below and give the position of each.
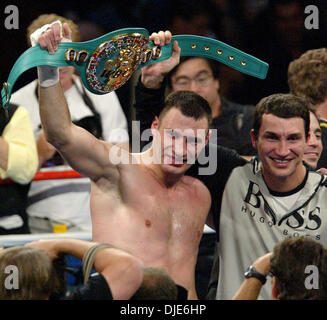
(155, 125)
(208, 136)
(274, 291)
(253, 139)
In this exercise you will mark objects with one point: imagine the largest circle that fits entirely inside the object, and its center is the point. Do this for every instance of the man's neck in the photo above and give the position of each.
(286, 184)
(155, 169)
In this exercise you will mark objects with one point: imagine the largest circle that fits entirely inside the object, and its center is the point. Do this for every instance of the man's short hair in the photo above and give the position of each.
(288, 263)
(49, 18)
(156, 285)
(283, 106)
(36, 272)
(189, 103)
(307, 76)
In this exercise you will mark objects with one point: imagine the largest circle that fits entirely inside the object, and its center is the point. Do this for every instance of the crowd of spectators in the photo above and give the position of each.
(273, 31)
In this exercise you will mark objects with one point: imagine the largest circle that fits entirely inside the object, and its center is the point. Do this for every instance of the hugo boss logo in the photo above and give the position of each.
(301, 219)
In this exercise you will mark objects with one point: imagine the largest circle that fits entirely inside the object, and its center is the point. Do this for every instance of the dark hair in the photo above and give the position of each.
(283, 106)
(288, 263)
(189, 103)
(213, 65)
(156, 285)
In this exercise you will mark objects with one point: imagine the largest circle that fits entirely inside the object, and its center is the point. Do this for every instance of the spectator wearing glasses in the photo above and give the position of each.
(233, 121)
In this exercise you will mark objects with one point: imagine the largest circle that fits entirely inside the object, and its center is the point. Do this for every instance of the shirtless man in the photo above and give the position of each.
(149, 209)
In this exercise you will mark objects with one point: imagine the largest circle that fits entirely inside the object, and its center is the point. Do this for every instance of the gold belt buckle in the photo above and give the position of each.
(113, 62)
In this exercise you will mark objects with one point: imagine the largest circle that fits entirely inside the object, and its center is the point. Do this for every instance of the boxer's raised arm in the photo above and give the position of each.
(82, 150)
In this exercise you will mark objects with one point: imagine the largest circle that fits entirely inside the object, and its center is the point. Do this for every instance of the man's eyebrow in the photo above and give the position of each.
(270, 133)
(172, 131)
(291, 135)
(294, 135)
(181, 77)
(201, 72)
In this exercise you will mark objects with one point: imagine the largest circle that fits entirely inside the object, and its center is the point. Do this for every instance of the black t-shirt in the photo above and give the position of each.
(226, 160)
(97, 288)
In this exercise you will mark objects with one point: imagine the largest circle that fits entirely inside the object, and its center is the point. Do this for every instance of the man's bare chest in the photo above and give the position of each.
(170, 211)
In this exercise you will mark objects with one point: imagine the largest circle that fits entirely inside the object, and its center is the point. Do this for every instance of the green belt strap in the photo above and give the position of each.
(112, 58)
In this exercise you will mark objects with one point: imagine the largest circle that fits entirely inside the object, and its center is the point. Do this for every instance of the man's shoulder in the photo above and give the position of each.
(196, 191)
(237, 107)
(193, 184)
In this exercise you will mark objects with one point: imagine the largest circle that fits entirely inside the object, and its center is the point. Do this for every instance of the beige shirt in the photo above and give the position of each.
(22, 153)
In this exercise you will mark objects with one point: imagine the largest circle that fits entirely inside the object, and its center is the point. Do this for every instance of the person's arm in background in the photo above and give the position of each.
(122, 271)
(18, 153)
(44, 149)
(251, 287)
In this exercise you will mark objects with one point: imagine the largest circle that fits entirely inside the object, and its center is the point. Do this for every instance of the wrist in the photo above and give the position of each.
(252, 272)
(262, 264)
(48, 76)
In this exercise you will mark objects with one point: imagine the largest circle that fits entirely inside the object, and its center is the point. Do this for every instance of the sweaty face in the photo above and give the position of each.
(178, 140)
(314, 145)
(195, 75)
(280, 144)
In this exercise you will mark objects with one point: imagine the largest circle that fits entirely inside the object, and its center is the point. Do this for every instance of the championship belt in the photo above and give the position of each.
(106, 63)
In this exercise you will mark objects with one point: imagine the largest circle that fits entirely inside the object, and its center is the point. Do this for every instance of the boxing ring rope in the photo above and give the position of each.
(21, 239)
(50, 175)
(14, 240)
